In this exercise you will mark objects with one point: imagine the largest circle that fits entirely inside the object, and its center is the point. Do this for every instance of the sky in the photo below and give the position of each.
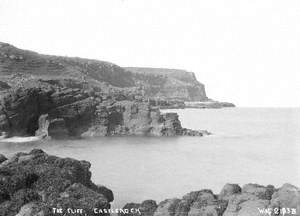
(244, 51)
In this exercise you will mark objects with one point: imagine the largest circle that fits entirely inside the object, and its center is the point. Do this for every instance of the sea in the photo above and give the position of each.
(247, 145)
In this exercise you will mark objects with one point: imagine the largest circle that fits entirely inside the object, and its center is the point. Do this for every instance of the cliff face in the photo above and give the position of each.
(169, 84)
(48, 110)
(52, 96)
(17, 65)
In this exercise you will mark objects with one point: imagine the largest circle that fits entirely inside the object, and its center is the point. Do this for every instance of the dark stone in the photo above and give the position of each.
(37, 182)
(59, 97)
(4, 86)
(287, 196)
(2, 158)
(148, 207)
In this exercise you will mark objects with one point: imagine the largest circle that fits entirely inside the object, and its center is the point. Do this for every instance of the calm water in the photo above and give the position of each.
(249, 145)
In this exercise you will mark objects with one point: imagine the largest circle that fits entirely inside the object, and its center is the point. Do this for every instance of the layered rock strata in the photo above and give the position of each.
(48, 110)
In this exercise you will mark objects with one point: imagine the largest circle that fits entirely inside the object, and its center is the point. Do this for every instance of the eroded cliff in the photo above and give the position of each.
(52, 96)
(49, 110)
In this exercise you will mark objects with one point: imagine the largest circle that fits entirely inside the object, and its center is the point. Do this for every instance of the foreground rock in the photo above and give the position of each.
(32, 184)
(251, 200)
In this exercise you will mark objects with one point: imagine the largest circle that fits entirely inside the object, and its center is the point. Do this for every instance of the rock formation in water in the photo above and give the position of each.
(250, 200)
(32, 184)
(50, 110)
(58, 97)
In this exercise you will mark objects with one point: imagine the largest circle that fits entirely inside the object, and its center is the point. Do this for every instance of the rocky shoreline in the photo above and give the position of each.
(62, 97)
(34, 183)
(233, 200)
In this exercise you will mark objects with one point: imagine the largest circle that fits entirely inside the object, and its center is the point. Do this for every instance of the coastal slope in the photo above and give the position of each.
(160, 84)
(61, 97)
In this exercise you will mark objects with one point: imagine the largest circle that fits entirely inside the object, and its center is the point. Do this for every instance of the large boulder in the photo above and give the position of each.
(146, 208)
(167, 207)
(288, 196)
(244, 204)
(204, 203)
(228, 190)
(259, 191)
(33, 183)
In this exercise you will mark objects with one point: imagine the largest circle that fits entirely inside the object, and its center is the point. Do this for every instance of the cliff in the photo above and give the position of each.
(169, 84)
(17, 66)
(250, 200)
(51, 110)
(59, 97)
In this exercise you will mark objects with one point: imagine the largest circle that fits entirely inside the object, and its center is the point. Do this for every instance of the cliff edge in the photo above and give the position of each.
(170, 84)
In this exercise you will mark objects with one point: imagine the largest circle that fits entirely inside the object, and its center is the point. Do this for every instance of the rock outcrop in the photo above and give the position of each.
(59, 97)
(250, 200)
(48, 110)
(32, 184)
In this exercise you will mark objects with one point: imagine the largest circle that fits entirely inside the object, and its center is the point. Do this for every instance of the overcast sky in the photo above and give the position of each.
(244, 51)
